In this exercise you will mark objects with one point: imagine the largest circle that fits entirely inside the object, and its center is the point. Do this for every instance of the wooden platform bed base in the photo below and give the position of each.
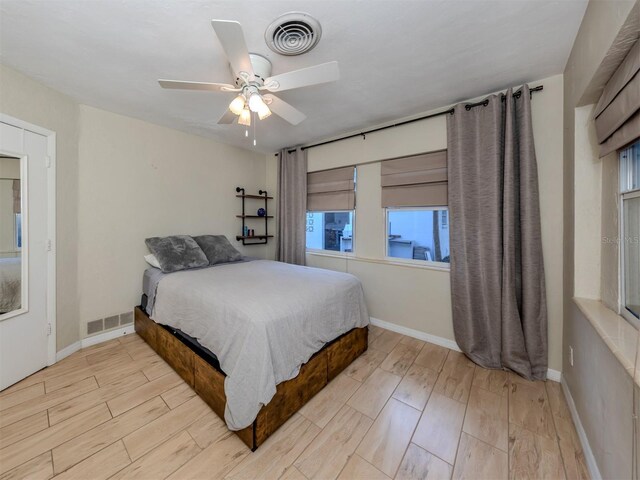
(208, 382)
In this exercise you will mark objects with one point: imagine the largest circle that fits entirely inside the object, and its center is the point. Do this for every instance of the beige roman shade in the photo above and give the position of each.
(331, 190)
(617, 115)
(416, 181)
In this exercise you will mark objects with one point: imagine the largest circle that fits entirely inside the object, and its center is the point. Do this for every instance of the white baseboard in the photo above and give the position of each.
(410, 332)
(66, 351)
(94, 340)
(106, 336)
(582, 435)
(554, 375)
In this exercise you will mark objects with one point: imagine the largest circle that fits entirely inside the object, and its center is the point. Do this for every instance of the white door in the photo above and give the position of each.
(24, 329)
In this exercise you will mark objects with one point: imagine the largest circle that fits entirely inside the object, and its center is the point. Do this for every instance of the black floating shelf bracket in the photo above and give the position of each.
(245, 238)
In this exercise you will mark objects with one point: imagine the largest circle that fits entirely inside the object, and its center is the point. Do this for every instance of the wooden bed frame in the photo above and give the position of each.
(208, 382)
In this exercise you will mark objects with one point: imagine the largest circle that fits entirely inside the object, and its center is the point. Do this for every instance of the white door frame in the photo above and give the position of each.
(51, 226)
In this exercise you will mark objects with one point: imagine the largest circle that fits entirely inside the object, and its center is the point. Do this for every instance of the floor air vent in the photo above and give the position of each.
(293, 33)
(109, 323)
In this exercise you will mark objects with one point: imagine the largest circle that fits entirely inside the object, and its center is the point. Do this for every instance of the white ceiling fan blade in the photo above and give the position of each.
(228, 118)
(183, 85)
(284, 110)
(230, 34)
(325, 72)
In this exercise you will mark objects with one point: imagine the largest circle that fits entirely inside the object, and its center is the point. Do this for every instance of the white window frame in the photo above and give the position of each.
(335, 252)
(411, 261)
(625, 194)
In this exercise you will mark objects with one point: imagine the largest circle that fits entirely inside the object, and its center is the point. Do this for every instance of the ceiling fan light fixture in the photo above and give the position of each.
(237, 104)
(255, 102)
(263, 111)
(245, 117)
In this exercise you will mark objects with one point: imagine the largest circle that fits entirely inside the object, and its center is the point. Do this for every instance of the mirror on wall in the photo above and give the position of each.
(11, 237)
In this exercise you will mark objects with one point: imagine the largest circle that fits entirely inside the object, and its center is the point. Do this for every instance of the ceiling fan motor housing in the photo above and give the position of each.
(261, 69)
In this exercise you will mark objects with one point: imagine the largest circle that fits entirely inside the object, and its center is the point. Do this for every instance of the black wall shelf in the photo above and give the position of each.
(258, 197)
(250, 239)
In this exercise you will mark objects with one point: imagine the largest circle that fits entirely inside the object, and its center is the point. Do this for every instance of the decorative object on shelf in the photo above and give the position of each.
(250, 233)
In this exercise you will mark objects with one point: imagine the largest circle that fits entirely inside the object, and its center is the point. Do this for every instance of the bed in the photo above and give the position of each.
(255, 339)
(10, 284)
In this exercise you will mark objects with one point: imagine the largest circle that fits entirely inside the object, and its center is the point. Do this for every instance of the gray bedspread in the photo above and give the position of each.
(152, 277)
(262, 319)
(150, 280)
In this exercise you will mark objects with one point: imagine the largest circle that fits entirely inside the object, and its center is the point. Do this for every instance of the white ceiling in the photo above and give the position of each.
(397, 57)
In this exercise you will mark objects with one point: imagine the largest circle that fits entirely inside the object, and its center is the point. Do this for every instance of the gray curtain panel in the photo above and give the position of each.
(497, 272)
(292, 206)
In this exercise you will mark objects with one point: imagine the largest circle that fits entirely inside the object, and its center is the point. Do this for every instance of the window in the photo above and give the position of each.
(18, 230)
(330, 231)
(331, 202)
(418, 234)
(630, 231)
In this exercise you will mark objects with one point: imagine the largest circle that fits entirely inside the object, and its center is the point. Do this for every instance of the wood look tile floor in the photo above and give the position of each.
(405, 410)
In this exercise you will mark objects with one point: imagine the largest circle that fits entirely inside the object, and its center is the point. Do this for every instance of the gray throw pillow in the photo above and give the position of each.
(218, 249)
(177, 252)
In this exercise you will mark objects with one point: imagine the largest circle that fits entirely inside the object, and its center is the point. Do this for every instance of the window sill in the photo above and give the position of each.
(619, 335)
(381, 261)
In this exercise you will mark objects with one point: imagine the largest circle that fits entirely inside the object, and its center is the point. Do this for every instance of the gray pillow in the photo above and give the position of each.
(218, 249)
(177, 252)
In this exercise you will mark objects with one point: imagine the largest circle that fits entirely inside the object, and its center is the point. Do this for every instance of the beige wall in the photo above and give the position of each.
(599, 385)
(602, 391)
(588, 180)
(609, 248)
(419, 298)
(271, 183)
(138, 180)
(9, 168)
(25, 99)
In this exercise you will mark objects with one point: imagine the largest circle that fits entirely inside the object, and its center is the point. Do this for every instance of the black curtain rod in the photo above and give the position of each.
(469, 106)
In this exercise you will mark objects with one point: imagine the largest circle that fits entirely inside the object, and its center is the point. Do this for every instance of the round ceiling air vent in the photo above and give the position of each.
(293, 33)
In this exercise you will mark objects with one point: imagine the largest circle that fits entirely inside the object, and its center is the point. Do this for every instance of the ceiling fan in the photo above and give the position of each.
(252, 73)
